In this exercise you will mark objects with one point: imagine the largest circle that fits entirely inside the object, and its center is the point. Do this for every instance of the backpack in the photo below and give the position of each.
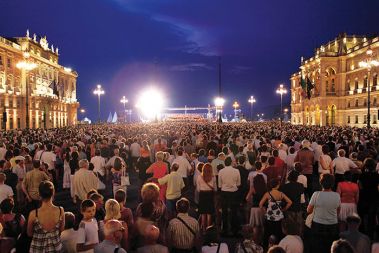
(13, 228)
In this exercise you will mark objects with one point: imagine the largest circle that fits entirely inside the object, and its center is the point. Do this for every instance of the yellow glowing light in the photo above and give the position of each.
(219, 101)
(68, 70)
(150, 103)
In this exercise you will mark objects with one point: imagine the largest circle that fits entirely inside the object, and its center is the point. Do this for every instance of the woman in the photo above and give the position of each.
(258, 189)
(46, 222)
(74, 166)
(274, 212)
(66, 169)
(349, 193)
(159, 216)
(325, 161)
(144, 161)
(118, 171)
(159, 169)
(324, 205)
(12, 223)
(196, 174)
(206, 186)
(112, 211)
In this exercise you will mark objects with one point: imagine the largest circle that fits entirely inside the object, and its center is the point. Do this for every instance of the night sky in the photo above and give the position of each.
(128, 45)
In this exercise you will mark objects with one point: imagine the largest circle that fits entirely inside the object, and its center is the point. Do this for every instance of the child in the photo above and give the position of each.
(69, 235)
(99, 201)
(126, 213)
(88, 236)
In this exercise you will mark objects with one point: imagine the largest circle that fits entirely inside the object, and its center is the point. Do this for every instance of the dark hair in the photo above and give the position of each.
(147, 209)
(264, 159)
(369, 165)
(117, 164)
(260, 186)
(36, 164)
(182, 205)
(342, 246)
(7, 206)
(120, 195)
(91, 166)
(276, 249)
(348, 176)
(228, 161)
(241, 159)
(290, 226)
(180, 152)
(97, 152)
(298, 167)
(96, 196)
(325, 149)
(274, 183)
(327, 181)
(46, 190)
(258, 165)
(69, 220)
(293, 175)
(86, 204)
(271, 160)
(211, 235)
(90, 192)
(275, 153)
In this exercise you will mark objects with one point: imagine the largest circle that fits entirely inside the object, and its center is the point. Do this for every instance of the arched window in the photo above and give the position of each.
(327, 86)
(356, 103)
(347, 87)
(375, 80)
(365, 82)
(333, 86)
(356, 84)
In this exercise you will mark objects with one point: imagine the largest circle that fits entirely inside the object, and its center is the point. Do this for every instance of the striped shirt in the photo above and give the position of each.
(180, 236)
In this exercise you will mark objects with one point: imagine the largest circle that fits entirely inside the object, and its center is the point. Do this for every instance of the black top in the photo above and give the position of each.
(293, 191)
(369, 186)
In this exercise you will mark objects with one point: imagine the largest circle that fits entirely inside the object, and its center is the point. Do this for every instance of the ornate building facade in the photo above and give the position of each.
(340, 93)
(46, 89)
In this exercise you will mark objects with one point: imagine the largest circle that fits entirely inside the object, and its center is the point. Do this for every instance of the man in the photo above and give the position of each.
(306, 157)
(184, 166)
(30, 185)
(49, 157)
(271, 171)
(228, 180)
(5, 190)
(113, 234)
(182, 231)
(116, 154)
(151, 236)
(216, 162)
(3, 151)
(135, 150)
(84, 181)
(20, 170)
(11, 178)
(340, 165)
(359, 241)
(98, 163)
(175, 184)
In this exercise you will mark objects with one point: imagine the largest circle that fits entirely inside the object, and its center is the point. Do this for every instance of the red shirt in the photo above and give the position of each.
(348, 192)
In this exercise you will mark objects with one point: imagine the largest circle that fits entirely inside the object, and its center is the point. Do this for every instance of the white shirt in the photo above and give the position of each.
(201, 185)
(98, 164)
(292, 244)
(343, 164)
(213, 248)
(290, 160)
(88, 233)
(5, 192)
(49, 158)
(302, 180)
(135, 149)
(184, 166)
(229, 179)
(327, 160)
(282, 154)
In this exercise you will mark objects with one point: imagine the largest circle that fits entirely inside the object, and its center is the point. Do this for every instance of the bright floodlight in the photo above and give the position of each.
(219, 102)
(150, 103)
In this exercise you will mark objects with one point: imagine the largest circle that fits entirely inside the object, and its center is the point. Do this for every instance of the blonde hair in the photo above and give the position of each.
(150, 193)
(112, 210)
(159, 156)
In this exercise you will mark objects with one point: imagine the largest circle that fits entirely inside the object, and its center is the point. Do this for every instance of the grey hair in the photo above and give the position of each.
(83, 162)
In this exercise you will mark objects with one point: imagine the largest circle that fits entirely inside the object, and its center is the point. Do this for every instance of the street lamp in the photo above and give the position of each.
(219, 103)
(281, 90)
(98, 91)
(235, 106)
(124, 101)
(251, 101)
(368, 64)
(82, 111)
(26, 66)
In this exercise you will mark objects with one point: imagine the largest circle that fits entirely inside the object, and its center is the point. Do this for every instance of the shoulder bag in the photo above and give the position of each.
(309, 219)
(125, 181)
(198, 242)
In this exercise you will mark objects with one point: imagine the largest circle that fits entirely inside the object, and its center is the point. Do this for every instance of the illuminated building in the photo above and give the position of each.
(340, 94)
(47, 89)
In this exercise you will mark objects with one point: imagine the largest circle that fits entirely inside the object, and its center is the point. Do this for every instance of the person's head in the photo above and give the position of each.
(325, 149)
(293, 175)
(305, 144)
(117, 165)
(6, 206)
(341, 153)
(114, 231)
(3, 177)
(369, 165)
(90, 192)
(207, 172)
(83, 164)
(88, 209)
(353, 221)
(69, 218)
(36, 164)
(292, 150)
(221, 156)
(91, 166)
(260, 185)
(150, 192)
(327, 181)
(342, 246)
(348, 176)
(211, 235)
(274, 183)
(228, 161)
(98, 199)
(147, 209)
(112, 209)
(97, 152)
(241, 160)
(271, 161)
(275, 153)
(120, 196)
(199, 167)
(46, 190)
(182, 205)
(159, 156)
(297, 166)
(276, 249)
(258, 165)
(254, 233)
(174, 167)
(290, 226)
(151, 234)
(180, 152)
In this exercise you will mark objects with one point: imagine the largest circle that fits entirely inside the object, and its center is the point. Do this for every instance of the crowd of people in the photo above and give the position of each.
(202, 187)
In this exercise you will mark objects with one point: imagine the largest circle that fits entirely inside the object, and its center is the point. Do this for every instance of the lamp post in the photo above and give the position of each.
(235, 106)
(251, 101)
(368, 63)
(124, 101)
(26, 65)
(281, 90)
(98, 91)
(219, 103)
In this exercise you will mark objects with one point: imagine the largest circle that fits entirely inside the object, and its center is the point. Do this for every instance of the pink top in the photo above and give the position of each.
(348, 192)
(159, 169)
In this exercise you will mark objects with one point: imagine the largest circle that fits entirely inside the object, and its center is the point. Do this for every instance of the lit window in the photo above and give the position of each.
(348, 119)
(9, 63)
(356, 119)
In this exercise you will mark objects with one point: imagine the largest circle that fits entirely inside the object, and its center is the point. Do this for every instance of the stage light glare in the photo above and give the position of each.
(150, 103)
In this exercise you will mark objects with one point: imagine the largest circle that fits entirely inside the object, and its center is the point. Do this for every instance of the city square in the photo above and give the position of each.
(178, 126)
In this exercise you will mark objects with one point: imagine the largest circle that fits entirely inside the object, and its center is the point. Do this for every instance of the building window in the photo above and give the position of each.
(10, 103)
(375, 119)
(356, 119)
(348, 104)
(364, 119)
(327, 86)
(10, 123)
(365, 102)
(1, 60)
(9, 63)
(348, 119)
(34, 123)
(347, 85)
(356, 103)
(356, 84)
(333, 86)
(18, 103)
(374, 102)
(375, 80)
(18, 123)
(365, 82)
